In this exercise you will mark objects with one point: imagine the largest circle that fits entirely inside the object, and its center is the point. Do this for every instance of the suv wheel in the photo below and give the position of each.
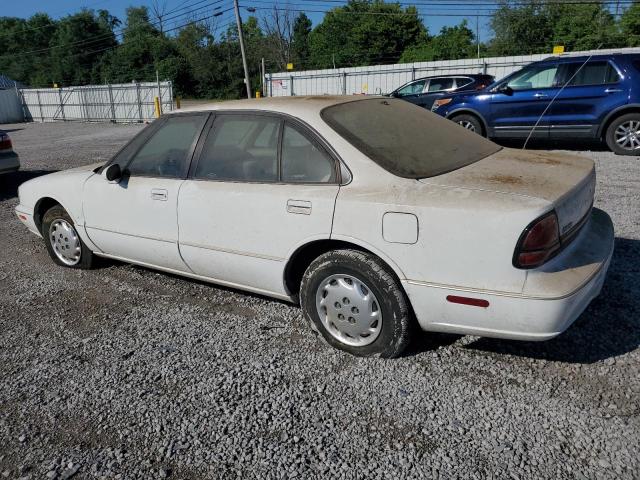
(623, 135)
(470, 122)
(356, 304)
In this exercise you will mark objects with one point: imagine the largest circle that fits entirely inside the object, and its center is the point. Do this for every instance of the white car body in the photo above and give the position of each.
(451, 235)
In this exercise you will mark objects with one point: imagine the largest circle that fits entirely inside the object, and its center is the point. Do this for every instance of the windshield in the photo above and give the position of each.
(405, 139)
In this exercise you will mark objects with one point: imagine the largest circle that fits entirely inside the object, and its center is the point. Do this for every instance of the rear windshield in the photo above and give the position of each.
(405, 139)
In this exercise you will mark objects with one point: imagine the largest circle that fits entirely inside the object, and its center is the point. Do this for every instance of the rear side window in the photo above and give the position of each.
(240, 148)
(438, 84)
(303, 161)
(593, 73)
(165, 153)
(463, 82)
(405, 139)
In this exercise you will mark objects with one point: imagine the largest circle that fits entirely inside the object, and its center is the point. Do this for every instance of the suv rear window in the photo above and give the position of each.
(405, 139)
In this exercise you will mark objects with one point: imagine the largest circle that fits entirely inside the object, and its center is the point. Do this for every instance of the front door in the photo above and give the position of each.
(519, 103)
(135, 218)
(261, 187)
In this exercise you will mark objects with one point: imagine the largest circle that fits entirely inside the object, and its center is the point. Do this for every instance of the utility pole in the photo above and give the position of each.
(478, 33)
(264, 78)
(247, 82)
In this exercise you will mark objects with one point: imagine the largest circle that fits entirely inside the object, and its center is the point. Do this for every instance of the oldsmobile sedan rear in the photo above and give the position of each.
(374, 214)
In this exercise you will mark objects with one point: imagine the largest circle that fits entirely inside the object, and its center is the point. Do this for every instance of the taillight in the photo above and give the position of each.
(5, 142)
(538, 243)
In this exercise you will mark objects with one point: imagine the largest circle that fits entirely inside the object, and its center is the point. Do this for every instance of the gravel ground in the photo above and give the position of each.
(122, 372)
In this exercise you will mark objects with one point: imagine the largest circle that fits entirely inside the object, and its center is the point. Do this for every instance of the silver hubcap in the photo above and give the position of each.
(468, 125)
(349, 310)
(65, 242)
(627, 135)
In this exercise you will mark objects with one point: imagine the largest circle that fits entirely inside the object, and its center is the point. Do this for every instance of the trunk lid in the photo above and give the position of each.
(567, 181)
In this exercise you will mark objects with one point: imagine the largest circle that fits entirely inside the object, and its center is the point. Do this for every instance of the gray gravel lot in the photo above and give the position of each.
(122, 372)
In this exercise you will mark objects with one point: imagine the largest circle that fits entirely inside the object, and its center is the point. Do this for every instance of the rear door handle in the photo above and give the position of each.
(159, 194)
(302, 207)
(540, 95)
(613, 90)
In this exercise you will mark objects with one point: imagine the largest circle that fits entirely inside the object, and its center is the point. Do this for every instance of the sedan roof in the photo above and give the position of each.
(308, 104)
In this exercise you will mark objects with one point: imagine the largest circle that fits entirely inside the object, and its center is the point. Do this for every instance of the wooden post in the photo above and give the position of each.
(156, 104)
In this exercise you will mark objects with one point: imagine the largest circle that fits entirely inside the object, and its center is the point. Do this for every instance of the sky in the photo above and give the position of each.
(60, 8)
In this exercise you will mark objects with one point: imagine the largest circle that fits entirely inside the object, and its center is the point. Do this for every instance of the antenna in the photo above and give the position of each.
(556, 96)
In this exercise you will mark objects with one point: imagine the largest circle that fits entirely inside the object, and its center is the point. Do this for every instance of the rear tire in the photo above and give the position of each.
(623, 135)
(470, 122)
(356, 304)
(63, 243)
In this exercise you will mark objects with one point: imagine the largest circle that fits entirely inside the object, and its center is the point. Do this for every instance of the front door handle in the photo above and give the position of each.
(159, 194)
(302, 207)
(613, 90)
(540, 95)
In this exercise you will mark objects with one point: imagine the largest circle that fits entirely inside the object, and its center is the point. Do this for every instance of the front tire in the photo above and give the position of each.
(356, 304)
(63, 243)
(469, 122)
(623, 135)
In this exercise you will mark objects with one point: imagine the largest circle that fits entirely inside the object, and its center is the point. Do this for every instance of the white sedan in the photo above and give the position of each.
(374, 214)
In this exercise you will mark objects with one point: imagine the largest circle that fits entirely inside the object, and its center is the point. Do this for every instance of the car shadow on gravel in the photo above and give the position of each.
(9, 182)
(609, 327)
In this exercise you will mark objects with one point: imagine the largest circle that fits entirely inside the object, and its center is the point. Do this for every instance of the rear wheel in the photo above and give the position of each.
(470, 122)
(356, 304)
(623, 135)
(64, 245)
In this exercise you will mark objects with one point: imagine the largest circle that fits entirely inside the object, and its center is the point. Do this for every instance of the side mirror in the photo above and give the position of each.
(113, 172)
(506, 89)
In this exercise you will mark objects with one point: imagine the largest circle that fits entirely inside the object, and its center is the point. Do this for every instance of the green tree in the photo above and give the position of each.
(451, 43)
(630, 25)
(301, 32)
(364, 32)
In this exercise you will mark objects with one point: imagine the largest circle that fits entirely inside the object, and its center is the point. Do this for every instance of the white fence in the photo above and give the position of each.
(122, 103)
(10, 108)
(386, 78)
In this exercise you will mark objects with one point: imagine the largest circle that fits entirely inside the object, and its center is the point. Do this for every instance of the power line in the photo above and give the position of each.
(106, 36)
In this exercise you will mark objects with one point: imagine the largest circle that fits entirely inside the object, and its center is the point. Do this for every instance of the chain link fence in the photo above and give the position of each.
(119, 103)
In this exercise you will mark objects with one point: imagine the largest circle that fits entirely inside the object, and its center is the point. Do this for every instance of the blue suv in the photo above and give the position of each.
(600, 101)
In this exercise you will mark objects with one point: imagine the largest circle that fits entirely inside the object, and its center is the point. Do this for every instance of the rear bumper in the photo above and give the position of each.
(552, 299)
(9, 162)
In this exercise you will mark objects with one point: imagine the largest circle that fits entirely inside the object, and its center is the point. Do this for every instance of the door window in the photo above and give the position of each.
(540, 76)
(240, 148)
(166, 153)
(302, 161)
(463, 81)
(593, 73)
(412, 89)
(439, 84)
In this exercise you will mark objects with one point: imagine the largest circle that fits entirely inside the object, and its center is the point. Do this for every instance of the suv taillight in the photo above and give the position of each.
(538, 243)
(5, 142)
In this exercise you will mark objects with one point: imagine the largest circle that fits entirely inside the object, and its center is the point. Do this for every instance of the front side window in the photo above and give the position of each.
(166, 153)
(302, 161)
(539, 76)
(412, 89)
(240, 148)
(593, 73)
(439, 84)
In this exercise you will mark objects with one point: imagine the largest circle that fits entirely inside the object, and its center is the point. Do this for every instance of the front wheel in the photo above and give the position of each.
(356, 304)
(623, 135)
(63, 243)
(469, 122)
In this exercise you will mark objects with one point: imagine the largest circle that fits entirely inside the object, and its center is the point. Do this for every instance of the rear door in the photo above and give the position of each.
(436, 88)
(593, 90)
(261, 187)
(515, 112)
